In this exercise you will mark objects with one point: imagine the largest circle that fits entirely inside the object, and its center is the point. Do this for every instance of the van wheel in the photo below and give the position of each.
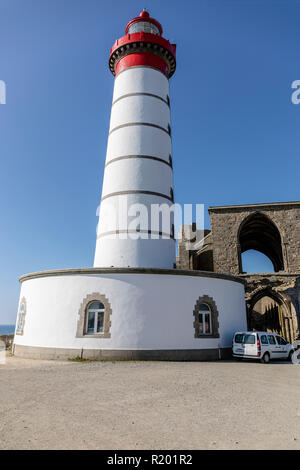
(265, 359)
(290, 356)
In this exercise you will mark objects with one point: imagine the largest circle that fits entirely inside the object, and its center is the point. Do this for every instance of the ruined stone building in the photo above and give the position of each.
(272, 299)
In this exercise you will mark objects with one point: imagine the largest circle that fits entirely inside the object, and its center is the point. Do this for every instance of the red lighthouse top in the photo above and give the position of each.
(143, 45)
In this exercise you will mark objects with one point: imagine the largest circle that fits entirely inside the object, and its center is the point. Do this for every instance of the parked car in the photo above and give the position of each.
(260, 345)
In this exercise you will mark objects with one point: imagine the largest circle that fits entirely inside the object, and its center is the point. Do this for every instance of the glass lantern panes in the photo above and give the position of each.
(143, 26)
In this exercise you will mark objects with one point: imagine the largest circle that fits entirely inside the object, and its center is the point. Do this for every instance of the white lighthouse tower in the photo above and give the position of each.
(138, 171)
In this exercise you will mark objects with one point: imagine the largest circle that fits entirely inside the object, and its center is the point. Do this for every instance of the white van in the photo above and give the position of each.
(260, 345)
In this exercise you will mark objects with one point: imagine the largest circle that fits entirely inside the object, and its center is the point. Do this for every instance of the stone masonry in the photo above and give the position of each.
(273, 229)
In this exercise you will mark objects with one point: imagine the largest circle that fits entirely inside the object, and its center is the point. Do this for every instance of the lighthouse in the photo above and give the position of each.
(133, 304)
(138, 176)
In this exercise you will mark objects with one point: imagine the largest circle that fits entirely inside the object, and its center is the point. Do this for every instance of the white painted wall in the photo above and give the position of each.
(137, 174)
(141, 80)
(139, 140)
(149, 311)
(109, 206)
(123, 253)
(140, 108)
(129, 252)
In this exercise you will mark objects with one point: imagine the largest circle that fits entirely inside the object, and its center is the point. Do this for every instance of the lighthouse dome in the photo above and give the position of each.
(144, 23)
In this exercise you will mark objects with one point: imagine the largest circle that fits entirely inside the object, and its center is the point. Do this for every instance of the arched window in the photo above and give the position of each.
(204, 319)
(94, 317)
(21, 318)
(206, 323)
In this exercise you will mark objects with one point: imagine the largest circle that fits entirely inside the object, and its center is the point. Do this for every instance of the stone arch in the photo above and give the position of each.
(269, 310)
(258, 232)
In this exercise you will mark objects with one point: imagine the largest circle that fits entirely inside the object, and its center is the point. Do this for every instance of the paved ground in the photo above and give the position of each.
(149, 405)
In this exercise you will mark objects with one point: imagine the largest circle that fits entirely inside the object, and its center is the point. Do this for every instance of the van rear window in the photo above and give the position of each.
(243, 338)
(249, 339)
(239, 338)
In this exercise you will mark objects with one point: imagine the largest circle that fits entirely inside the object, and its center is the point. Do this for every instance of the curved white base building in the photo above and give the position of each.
(148, 314)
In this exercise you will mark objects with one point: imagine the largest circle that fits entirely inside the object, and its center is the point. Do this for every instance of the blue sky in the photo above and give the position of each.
(235, 131)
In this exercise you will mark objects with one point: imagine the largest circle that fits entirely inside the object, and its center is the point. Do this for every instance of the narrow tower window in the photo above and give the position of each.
(21, 318)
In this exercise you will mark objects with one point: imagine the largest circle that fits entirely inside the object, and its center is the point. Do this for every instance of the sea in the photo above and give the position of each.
(7, 329)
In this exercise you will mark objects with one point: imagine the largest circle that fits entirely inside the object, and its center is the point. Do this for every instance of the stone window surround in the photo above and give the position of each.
(205, 299)
(81, 324)
(23, 301)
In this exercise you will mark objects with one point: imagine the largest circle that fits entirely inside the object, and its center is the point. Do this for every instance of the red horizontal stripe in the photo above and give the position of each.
(142, 58)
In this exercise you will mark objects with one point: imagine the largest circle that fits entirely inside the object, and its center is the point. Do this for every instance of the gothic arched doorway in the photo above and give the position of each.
(257, 232)
(270, 311)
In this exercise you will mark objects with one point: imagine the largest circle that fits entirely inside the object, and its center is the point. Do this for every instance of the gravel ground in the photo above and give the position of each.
(149, 405)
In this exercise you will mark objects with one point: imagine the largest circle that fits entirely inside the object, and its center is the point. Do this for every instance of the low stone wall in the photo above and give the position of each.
(123, 355)
(8, 340)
